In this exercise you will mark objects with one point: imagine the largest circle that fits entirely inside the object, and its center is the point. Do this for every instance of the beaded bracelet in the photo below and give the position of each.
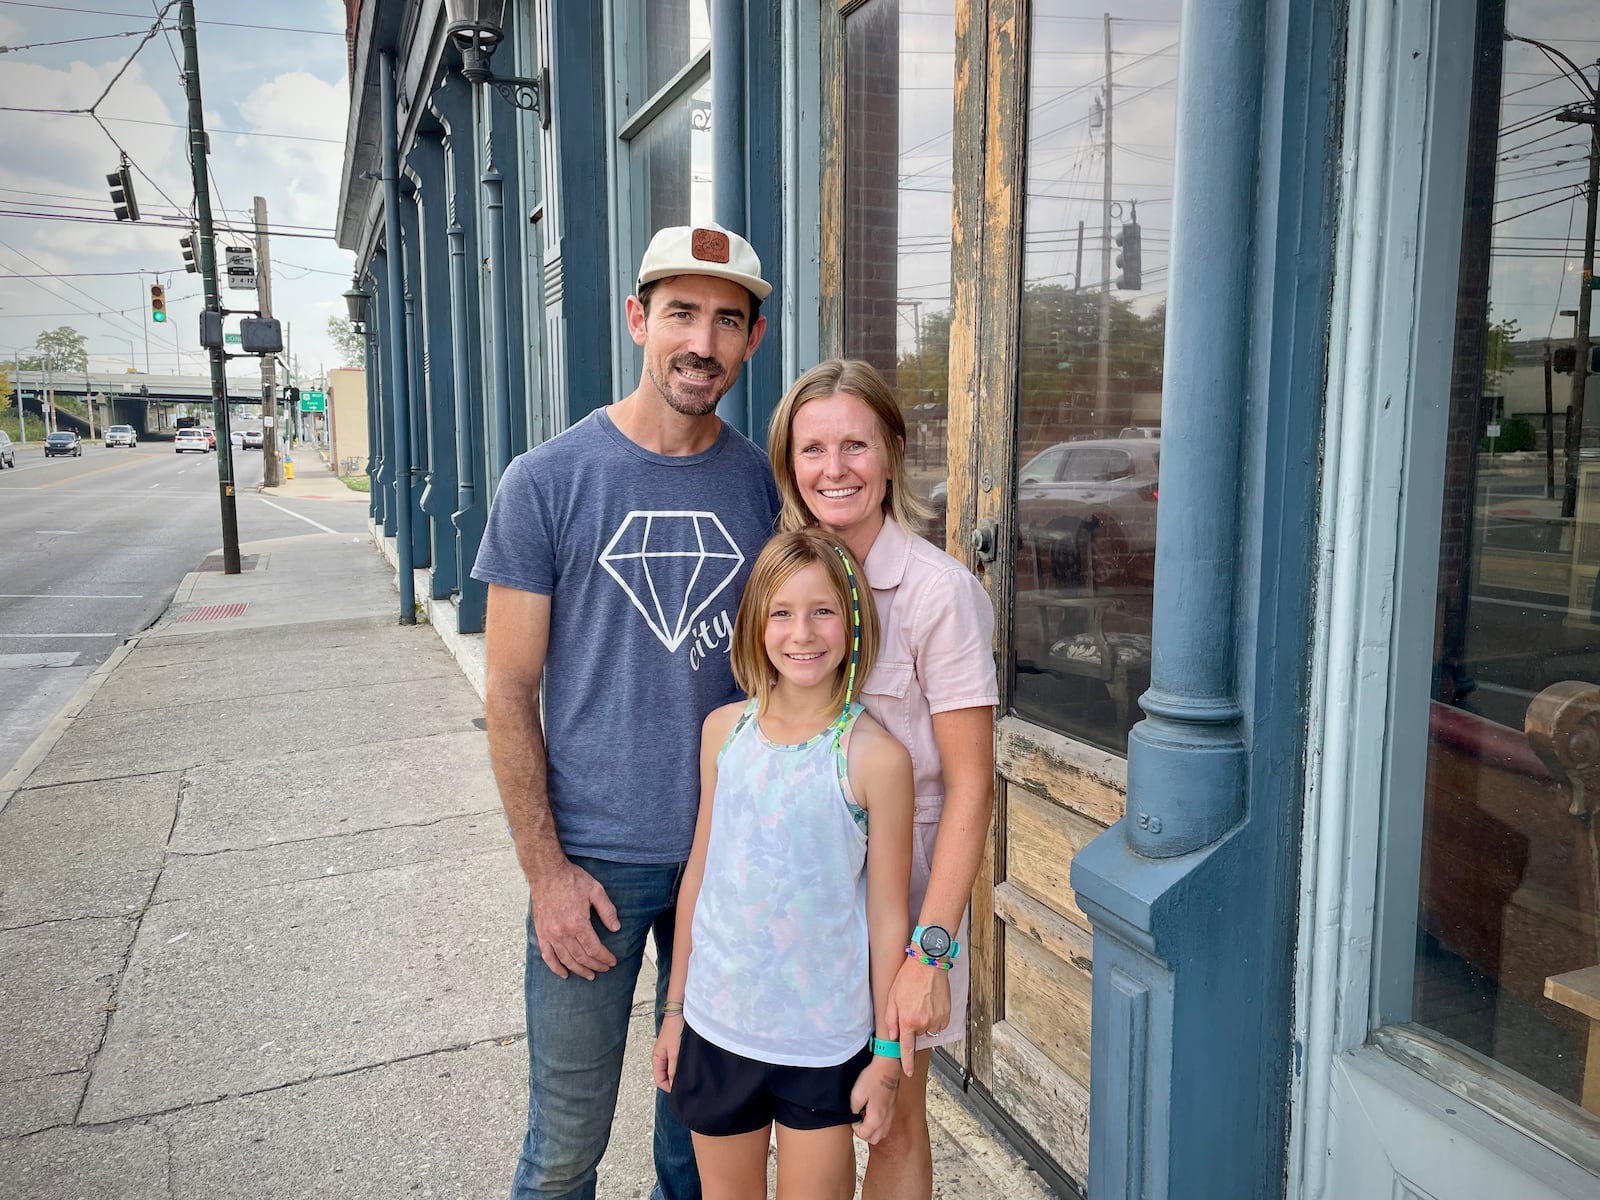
(944, 964)
(672, 1008)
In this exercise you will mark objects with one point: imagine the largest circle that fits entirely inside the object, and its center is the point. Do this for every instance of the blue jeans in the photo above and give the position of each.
(577, 1032)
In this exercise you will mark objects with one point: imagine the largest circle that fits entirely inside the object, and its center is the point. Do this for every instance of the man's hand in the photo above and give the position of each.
(873, 1097)
(919, 1002)
(664, 1058)
(561, 899)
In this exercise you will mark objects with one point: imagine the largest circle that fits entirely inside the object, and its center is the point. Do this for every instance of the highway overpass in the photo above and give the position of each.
(150, 403)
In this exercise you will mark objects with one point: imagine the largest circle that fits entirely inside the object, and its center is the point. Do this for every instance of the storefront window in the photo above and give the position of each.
(1508, 937)
(1099, 197)
(675, 31)
(899, 123)
(672, 164)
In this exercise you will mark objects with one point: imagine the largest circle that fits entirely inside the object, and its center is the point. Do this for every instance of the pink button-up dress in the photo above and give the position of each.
(935, 655)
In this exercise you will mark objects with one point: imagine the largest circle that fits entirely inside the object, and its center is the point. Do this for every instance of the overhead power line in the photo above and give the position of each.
(106, 12)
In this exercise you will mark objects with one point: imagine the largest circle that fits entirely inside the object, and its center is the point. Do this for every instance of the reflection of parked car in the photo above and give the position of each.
(1094, 500)
(1090, 502)
(121, 435)
(64, 442)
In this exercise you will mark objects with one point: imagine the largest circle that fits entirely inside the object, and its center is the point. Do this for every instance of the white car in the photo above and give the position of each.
(193, 438)
(121, 435)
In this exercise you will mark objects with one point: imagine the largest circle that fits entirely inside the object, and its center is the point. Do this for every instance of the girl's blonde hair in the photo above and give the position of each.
(777, 563)
(861, 380)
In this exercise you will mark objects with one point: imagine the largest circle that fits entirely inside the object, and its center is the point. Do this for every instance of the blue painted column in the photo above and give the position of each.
(426, 164)
(382, 426)
(452, 103)
(416, 404)
(1192, 894)
(494, 219)
(374, 426)
(398, 390)
(727, 154)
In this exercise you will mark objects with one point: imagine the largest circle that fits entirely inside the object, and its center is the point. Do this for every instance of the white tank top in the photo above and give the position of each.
(778, 966)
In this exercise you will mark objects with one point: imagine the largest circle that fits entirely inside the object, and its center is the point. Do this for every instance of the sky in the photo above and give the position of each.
(275, 90)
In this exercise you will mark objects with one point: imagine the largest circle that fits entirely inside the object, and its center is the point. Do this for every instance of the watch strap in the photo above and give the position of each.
(883, 1048)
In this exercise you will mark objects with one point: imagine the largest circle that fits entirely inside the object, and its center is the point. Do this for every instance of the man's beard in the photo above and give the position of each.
(695, 405)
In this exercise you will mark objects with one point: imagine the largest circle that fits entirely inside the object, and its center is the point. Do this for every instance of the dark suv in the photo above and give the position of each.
(63, 443)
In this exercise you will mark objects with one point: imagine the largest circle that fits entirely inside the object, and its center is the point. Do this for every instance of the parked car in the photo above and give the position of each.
(65, 442)
(121, 435)
(193, 438)
(252, 439)
(8, 452)
(1086, 514)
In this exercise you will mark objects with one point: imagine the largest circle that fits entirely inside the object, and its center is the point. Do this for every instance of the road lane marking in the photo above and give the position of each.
(292, 513)
(116, 466)
(8, 636)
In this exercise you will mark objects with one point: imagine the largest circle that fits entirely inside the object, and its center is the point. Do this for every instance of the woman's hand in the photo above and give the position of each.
(664, 1058)
(919, 1002)
(873, 1097)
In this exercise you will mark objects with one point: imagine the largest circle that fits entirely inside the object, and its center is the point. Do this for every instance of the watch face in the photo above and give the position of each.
(935, 941)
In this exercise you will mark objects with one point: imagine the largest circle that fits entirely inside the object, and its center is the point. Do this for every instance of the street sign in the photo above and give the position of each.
(241, 268)
(230, 339)
(313, 402)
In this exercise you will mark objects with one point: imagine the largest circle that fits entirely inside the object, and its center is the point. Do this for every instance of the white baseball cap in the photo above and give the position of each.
(703, 250)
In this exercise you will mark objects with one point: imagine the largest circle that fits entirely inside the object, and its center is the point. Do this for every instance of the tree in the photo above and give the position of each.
(352, 346)
(1497, 353)
(5, 388)
(62, 349)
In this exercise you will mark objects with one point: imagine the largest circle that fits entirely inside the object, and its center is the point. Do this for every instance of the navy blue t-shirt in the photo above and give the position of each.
(644, 557)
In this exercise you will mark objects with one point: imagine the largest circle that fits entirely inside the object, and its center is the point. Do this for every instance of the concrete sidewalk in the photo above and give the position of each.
(262, 925)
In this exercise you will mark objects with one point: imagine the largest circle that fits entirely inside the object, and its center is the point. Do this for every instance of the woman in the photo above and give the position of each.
(837, 445)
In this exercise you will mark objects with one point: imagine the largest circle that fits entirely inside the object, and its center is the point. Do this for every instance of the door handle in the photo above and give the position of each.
(986, 540)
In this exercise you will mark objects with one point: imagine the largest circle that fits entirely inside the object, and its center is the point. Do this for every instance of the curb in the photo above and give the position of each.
(11, 783)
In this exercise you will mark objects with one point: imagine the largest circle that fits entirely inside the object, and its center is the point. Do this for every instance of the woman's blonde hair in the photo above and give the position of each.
(779, 560)
(861, 380)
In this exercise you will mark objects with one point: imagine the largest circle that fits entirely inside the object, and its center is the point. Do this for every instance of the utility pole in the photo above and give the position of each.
(1549, 430)
(1580, 341)
(144, 299)
(1103, 403)
(208, 277)
(271, 471)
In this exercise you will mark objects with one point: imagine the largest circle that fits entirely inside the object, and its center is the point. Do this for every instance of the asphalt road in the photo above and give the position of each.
(92, 550)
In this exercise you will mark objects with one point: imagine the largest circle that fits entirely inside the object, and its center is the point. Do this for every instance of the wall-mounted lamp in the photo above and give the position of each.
(355, 301)
(476, 27)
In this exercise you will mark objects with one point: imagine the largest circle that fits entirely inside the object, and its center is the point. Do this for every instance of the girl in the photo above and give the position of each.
(791, 920)
(837, 446)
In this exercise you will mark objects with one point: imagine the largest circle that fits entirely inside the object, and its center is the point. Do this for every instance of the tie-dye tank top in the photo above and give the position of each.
(778, 966)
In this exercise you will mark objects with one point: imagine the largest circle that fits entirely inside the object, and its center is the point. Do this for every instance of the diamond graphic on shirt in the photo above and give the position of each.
(672, 565)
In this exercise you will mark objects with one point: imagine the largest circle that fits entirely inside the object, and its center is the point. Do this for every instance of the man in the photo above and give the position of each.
(615, 555)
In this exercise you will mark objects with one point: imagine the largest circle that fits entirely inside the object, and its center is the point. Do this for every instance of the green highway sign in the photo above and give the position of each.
(231, 339)
(313, 402)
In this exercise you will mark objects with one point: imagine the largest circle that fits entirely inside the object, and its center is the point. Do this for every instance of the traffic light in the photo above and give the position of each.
(189, 263)
(158, 303)
(122, 198)
(1132, 277)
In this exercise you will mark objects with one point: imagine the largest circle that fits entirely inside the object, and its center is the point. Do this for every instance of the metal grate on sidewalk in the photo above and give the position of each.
(215, 612)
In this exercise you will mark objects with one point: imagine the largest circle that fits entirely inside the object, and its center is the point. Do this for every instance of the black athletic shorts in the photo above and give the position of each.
(718, 1093)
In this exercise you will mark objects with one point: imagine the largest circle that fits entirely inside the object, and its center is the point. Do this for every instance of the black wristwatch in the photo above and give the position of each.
(935, 941)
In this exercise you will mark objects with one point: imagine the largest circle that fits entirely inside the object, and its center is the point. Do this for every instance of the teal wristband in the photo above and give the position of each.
(885, 1049)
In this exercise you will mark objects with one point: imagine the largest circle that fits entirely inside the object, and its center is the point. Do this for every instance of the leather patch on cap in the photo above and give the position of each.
(709, 245)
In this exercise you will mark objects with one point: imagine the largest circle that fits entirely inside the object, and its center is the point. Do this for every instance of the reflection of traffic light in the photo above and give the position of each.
(122, 199)
(158, 302)
(1132, 277)
(189, 264)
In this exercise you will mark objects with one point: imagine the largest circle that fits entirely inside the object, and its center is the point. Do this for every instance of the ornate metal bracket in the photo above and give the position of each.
(530, 95)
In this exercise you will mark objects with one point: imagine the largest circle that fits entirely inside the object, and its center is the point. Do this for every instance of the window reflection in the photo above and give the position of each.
(674, 32)
(1099, 186)
(1507, 942)
(674, 151)
(899, 128)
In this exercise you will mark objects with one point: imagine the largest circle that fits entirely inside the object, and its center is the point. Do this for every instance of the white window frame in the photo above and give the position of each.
(1407, 94)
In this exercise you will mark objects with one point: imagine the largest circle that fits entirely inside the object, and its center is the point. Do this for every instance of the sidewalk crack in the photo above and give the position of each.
(328, 837)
